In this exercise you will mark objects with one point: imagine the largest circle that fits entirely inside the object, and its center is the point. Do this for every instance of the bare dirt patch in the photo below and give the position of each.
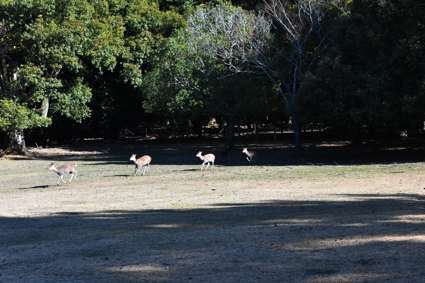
(60, 151)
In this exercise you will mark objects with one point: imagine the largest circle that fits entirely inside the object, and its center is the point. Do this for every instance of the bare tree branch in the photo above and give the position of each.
(298, 21)
(232, 36)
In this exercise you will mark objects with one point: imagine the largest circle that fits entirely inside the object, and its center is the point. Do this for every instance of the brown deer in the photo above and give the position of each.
(62, 170)
(142, 163)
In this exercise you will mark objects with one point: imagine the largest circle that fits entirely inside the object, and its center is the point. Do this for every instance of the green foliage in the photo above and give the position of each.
(371, 79)
(50, 45)
(74, 103)
(173, 87)
(17, 116)
(205, 70)
(112, 63)
(116, 100)
(55, 49)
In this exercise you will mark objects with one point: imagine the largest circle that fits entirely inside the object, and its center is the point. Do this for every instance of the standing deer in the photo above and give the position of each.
(249, 154)
(142, 163)
(62, 170)
(207, 159)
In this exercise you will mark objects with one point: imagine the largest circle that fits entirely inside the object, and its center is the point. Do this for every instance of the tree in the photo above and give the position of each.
(242, 42)
(230, 36)
(53, 52)
(177, 89)
(207, 69)
(370, 80)
(229, 42)
(41, 65)
(118, 93)
(298, 24)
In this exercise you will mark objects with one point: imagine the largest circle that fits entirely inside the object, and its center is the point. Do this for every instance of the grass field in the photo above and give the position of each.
(277, 221)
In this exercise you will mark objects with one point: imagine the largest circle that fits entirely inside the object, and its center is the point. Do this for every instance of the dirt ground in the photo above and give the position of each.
(279, 221)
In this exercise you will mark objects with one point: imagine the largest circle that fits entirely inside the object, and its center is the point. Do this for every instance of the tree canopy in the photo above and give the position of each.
(99, 67)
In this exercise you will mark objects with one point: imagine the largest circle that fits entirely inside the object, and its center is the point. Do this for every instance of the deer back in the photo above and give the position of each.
(144, 160)
(67, 168)
(209, 157)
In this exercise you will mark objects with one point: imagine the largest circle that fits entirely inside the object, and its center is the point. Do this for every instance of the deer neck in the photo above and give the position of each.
(54, 169)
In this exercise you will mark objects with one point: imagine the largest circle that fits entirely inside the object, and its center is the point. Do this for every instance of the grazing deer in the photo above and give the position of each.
(62, 170)
(207, 159)
(142, 163)
(249, 154)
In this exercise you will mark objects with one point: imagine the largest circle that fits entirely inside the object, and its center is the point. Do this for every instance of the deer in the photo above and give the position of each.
(207, 159)
(62, 170)
(249, 154)
(142, 163)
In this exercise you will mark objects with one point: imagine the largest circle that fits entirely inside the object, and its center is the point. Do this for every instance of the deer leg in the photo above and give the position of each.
(60, 179)
(70, 178)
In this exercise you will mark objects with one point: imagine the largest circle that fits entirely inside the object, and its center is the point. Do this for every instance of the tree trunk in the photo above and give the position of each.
(17, 141)
(294, 107)
(197, 128)
(229, 133)
(295, 119)
(45, 107)
(297, 132)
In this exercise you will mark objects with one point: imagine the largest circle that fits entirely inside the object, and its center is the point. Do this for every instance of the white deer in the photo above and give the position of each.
(142, 163)
(249, 154)
(62, 170)
(207, 159)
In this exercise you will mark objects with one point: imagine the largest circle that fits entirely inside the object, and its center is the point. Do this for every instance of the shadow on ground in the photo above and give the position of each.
(361, 238)
(35, 187)
(266, 154)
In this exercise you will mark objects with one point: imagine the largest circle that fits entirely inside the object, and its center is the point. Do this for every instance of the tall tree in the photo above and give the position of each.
(53, 51)
(370, 80)
(228, 41)
(209, 64)
(299, 26)
(39, 52)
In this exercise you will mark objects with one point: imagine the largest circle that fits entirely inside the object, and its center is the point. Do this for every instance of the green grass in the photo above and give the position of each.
(108, 219)
(21, 174)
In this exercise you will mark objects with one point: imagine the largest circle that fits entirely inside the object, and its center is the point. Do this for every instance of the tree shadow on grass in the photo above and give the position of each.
(268, 154)
(360, 238)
